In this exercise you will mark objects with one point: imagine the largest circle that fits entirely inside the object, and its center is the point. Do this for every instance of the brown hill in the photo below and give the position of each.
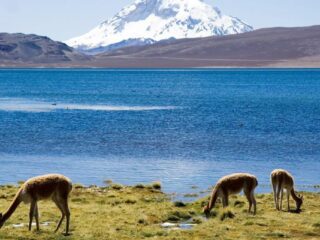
(273, 46)
(24, 49)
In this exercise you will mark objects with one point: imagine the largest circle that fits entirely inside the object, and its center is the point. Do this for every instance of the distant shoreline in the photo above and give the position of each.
(267, 67)
(194, 193)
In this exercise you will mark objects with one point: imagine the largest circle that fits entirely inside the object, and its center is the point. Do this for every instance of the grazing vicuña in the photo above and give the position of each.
(53, 186)
(233, 184)
(282, 179)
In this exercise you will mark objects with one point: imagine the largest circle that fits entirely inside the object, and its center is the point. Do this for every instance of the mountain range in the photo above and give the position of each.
(168, 33)
(272, 47)
(148, 21)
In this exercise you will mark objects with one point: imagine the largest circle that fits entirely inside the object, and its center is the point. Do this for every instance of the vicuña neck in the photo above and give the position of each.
(213, 198)
(294, 196)
(15, 203)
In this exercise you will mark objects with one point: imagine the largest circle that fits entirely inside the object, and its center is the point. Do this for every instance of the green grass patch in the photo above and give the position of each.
(122, 212)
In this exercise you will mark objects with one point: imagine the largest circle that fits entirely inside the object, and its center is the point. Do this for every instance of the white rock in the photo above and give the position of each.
(19, 225)
(168, 225)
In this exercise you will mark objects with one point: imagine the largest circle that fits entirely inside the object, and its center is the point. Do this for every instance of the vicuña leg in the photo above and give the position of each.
(248, 196)
(67, 213)
(281, 198)
(288, 199)
(278, 196)
(31, 213)
(62, 213)
(274, 185)
(254, 202)
(36, 215)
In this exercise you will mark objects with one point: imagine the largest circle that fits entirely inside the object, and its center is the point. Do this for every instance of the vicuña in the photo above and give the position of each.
(53, 186)
(233, 184)
(282, 179)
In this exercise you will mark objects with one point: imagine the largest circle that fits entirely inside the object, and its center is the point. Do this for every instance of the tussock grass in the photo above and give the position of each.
(140, 186)
(277, 235)
(78, 186)
(156, 185)
(226, 213)
(137, 212)
(116, 186)
(108, 182)
(316, 225)
(179, 204)
(191, 195)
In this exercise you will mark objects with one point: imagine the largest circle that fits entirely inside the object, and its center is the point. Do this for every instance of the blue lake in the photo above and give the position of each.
(180, 127)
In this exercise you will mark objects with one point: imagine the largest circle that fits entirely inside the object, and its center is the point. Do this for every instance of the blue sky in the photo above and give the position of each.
(63, 19)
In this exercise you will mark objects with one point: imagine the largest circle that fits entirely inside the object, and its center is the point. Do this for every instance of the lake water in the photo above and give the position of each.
(180, 127)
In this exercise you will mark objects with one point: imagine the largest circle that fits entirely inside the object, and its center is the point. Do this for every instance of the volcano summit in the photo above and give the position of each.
(148, 21)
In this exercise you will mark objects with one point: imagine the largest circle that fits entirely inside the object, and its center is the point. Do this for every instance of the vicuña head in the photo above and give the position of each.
(233, 184)
(282, 179)
(206, 210)
(299, 202)
(53, 186)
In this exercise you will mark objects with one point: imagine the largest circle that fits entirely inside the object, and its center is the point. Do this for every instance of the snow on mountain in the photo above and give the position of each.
(148, 21)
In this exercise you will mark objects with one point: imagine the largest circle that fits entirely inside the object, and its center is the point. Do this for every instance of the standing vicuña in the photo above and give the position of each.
(281, 179)
(54, 186)
(233, 184)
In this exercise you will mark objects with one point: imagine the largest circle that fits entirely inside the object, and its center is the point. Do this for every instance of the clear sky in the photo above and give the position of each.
(63, 19)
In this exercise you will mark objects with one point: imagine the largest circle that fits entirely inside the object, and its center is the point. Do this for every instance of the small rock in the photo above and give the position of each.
(169, 225)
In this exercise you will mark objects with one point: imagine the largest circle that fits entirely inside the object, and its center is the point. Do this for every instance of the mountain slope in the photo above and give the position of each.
(21, 48)
(273, 46)
(155, 20)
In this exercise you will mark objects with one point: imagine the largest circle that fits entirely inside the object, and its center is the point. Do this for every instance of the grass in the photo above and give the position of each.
(191, 195)
(121, 212)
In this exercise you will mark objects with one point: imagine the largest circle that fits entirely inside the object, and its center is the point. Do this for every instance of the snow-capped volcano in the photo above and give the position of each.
(148, 21)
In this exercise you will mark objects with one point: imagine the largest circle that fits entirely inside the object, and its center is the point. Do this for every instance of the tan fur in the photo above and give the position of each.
(234, 184)
(53, 186)
(282, 179)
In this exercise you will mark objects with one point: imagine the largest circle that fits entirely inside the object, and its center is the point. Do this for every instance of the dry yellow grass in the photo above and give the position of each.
(119, 212)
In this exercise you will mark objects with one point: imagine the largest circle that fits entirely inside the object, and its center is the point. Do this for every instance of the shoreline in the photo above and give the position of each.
(266, 67)
(194, 194)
